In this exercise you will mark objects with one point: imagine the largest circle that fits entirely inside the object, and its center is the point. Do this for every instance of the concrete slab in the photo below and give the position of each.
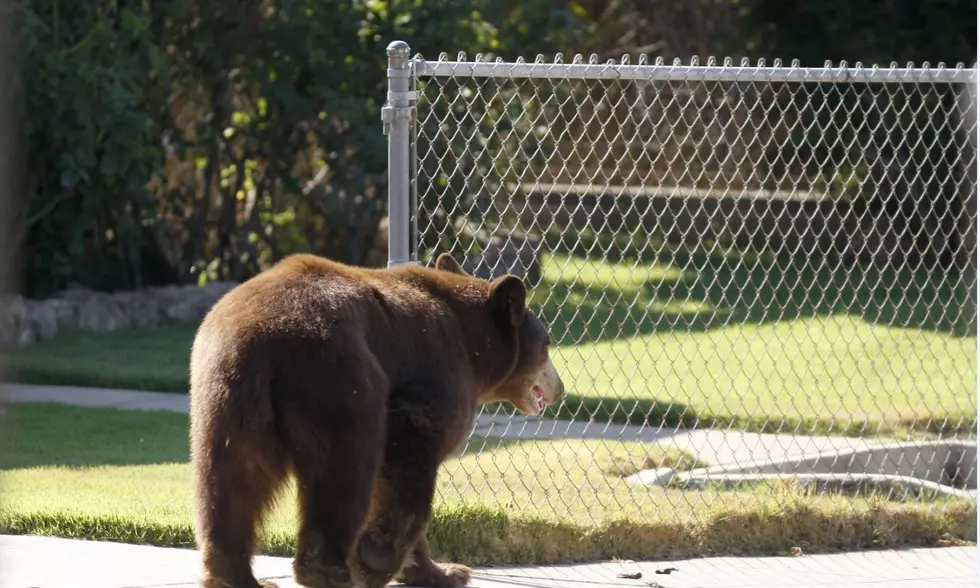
(95, 397)
(943, 466)
(45, 562)
(40, 562)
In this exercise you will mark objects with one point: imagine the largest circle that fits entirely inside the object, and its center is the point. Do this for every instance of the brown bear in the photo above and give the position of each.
(359, 382)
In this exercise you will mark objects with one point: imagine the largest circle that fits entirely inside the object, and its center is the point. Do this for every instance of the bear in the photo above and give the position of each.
(358, 383)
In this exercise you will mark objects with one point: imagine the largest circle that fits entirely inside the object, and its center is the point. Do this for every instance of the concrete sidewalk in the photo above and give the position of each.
(95, 397)
(39, 562)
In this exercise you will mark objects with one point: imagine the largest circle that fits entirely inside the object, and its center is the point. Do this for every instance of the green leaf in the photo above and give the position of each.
(68, 178)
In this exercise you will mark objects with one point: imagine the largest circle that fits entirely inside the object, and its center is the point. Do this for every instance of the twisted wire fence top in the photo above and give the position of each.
(752, 270)
(693, 71)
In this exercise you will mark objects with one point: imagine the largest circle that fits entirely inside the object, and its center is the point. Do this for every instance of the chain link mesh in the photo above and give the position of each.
(754, 274)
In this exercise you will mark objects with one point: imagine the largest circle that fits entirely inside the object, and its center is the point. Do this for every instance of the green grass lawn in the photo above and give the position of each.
(764, 344)
(139, 359)
(122, 476)
(752, 342)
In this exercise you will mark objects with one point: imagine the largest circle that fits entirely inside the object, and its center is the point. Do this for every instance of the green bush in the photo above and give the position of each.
(202, 139)
(197, 140)
(92, 143)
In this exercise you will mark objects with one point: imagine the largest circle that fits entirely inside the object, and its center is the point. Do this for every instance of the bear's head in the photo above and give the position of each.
(534, 383)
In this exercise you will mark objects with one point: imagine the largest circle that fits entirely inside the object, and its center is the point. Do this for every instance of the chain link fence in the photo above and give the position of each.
(760, 280)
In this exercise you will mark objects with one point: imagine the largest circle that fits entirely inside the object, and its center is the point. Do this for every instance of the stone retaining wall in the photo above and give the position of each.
(25, 321)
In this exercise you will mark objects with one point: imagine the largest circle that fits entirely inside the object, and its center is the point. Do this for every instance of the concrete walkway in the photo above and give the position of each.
(101, 397)
(712, 446)
(40, 562)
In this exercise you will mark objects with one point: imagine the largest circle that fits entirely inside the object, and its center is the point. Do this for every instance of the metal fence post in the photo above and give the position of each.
(396, 116)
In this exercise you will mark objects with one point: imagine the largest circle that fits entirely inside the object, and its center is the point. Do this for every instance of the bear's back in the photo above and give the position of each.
(306, 299)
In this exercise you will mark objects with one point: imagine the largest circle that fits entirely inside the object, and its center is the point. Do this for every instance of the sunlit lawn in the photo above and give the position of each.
(768, 347)
(122, 476)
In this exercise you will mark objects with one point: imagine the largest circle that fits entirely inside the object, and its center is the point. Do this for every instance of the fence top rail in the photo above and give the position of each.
(727, 72)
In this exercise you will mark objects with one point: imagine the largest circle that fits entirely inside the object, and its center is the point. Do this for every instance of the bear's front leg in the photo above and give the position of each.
(401, 509)
(393, 537)
(422, 572)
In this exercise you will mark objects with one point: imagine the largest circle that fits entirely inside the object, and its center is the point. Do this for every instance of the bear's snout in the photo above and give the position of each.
(550, 381)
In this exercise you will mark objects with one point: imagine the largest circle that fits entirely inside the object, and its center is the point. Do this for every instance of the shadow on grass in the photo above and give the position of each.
(477, 444)
(671, 415)
(700, 291)
(677, 415)
(689, 291)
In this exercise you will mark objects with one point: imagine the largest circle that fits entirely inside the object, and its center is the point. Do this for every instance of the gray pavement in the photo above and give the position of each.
(97, 397)
(40, 562)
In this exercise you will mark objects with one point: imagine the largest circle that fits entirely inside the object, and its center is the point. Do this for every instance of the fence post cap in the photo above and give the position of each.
(399, 49)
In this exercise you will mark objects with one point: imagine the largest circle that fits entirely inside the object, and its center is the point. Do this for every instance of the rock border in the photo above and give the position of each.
(25, 321)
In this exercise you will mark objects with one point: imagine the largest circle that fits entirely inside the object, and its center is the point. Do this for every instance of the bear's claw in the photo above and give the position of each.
(438, 576)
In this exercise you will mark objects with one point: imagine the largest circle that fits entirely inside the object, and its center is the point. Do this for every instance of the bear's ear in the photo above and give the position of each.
(508, 295)
(448, 263)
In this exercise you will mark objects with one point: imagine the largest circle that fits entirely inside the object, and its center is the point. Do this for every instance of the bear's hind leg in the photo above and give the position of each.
(333, 511)
(336, 463)
(233, 485)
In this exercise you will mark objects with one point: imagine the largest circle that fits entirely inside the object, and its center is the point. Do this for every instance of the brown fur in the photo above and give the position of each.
(359, 382)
